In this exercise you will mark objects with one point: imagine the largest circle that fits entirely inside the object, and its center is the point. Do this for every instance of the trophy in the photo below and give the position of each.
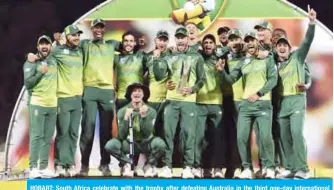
(184, 77)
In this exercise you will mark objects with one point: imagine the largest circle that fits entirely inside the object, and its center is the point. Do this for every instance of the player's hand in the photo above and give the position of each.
(253, 98)
(187, 91)
(311, 14)
(301, 87)
(44, 68)
(220, 64)
(170, 85)
(32, 58)
(128, 113)
(156, 53)
(263, 54)
(143, 111)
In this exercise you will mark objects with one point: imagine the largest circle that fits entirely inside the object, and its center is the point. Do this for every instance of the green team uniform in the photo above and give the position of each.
(69, 93)
(210, 114)
(158, 91)
(195, 48)
(232, 98)
(175, 65)
(258, 76)
(130, 68)
(98, 95)
(42, 104)
(221, 50)
(292, 105)
(144, 140)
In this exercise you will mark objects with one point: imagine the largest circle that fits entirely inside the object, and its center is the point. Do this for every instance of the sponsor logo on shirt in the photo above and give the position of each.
(66, 51)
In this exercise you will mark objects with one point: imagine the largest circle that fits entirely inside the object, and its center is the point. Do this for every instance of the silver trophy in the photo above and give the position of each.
(184, 77)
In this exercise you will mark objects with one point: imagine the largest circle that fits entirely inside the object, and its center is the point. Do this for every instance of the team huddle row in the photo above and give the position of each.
(247, 81)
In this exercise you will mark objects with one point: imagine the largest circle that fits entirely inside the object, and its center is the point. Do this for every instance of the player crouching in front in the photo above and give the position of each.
(141, 117)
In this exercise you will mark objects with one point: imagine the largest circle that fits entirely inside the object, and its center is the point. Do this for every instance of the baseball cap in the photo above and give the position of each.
(264, 24)
(71, 29)
(162, 33)
(223, 29)
(97, 21)
(234, 32)
(249, 35)
(44, 37)
(181, 31)
(285, 39)
(209, 36)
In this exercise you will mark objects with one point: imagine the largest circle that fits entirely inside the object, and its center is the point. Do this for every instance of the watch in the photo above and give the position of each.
(259, 94)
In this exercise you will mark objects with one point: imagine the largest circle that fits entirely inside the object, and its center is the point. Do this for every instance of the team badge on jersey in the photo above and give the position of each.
(247, 61)
(66, 51)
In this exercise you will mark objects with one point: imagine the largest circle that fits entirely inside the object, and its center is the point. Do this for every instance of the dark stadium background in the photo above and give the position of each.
(22, 21)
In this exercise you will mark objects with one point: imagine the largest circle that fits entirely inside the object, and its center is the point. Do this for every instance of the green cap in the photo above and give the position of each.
(44, 37)
(97, 21)
(181, 31)
(234, 32)
(162, 33)
(265, 25)
(285, 39)
(249, 35)
(72, 29)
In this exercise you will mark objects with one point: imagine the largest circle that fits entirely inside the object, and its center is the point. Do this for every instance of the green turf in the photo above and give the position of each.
(161, 9)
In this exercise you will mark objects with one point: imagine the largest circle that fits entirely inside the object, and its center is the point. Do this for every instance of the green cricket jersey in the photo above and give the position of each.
(70, 70)
(258, 75)
(98, 59)
(42, 88)
(157, 88)
(130, 68)
(195, 48)
(143, 128)
(185, 69)
(211, 92)
(236, 89)
(221, 50)
(292, 71)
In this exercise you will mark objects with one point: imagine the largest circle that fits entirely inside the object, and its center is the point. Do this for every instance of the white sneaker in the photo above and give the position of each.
(72, 171)
(197, 172)
(302, 175)
(150, 171)
(139, 171)
(166, 172)
(284, 174)
(127, 172)
(34, 173)
(186, 173)
(60, 171)
(218, 173)
(46, 173)
(246, 174)
(270, 174)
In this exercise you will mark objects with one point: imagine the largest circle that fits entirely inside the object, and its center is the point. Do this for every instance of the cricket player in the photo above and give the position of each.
(185, 70)
(40, 79)
(157, 99)
(69, 61)
(222, 48)
(99, 94)
(195, 11)
(194, 43)
(131, 65)
(143, 119)
(232, 98)
(259, 78)
(210, 113)
(292, 105)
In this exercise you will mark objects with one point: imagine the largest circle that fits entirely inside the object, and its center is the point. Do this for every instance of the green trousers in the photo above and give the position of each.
(209, 118)
(68, 122)
(41, 129)
(259, 112)
(101, 101)
(153, 148)
(186, 112)
(230, 120)
(159, 108)
(291, 118)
